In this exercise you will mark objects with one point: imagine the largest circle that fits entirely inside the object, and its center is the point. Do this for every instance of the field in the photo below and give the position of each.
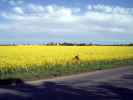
(34, 62)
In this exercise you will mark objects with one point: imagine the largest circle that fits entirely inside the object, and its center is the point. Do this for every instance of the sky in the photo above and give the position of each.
(78, 21)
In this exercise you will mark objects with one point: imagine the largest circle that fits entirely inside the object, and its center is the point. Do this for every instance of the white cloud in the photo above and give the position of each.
(50, 9)
(58, 20)
(35, 8)
(18, 10)
(110, 9)
(13, 2)
(89, 7)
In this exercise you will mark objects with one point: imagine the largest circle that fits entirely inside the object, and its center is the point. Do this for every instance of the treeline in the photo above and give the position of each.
(87, 44)
(68, 44)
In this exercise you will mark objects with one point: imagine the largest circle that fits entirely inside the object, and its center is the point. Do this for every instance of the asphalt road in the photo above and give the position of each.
(114, 84)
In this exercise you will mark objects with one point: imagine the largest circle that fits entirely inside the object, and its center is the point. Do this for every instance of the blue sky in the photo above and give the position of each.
(37, 21)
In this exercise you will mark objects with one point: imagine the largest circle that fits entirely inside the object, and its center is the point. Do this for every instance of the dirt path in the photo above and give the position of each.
(114, 84)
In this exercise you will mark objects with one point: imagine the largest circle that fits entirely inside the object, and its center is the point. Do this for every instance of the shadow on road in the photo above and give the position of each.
(16, 89)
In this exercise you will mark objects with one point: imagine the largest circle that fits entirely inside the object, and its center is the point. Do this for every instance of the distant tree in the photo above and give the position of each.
(131, 44)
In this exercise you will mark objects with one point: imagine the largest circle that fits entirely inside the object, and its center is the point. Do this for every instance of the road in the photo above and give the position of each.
(113, 84)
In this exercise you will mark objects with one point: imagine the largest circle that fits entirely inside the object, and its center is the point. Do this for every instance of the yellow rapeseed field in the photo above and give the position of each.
(31, 55)
(34, 60)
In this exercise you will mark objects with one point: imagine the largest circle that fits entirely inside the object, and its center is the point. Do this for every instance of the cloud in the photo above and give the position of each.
(34, 8)
(110, 9)
(61, 21)
(13, 2)
(18, 10)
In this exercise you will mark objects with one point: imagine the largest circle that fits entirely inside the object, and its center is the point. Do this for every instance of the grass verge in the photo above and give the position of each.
(34, 72)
